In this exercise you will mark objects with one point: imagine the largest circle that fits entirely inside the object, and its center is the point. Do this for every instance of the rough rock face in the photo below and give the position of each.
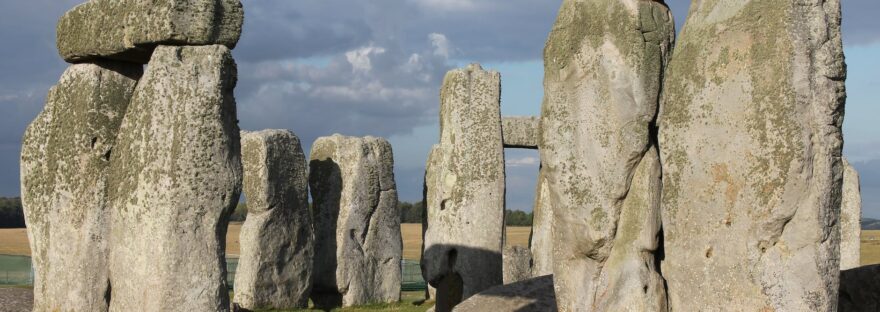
(277, 243)
(751, 145)
(129, 30)
(541, 238)
(358, 245)
(65, 161)
(603, 66)
(521, 132)
(860, 289)
(465, 189)
(530, 295)
(176, 176)
(850, 219)
(517, 264)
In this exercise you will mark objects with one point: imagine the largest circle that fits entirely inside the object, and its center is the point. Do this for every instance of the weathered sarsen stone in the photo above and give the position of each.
(541, 238)
(850, 219)
(277, 244)
(603, 67)
(751, 144)
(532, 295)
(65, 161)
(176, 176)
(517, 264)
(358, 245)
(860, 289)
(465, 189)
(521, 131)
(129, 30)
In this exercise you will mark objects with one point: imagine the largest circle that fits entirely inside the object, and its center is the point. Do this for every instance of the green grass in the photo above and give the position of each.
(412, 301)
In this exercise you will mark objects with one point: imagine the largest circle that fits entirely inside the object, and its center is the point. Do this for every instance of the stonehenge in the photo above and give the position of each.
(750, 138)
(65, 167)
(464, 184)
(277, 242)
(711, 178)
(603, 63)
(850, 219)
(177, 174)
(358, 244)
(129, 30)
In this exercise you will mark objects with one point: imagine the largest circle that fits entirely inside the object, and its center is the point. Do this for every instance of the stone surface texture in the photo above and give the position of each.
(517, 264)
(521, 131)
(850, 219)
(176, 175)
(532, 295)
(750, 137)
(65, 163)
(603, 67)
(860, 289)
(541, 238)
(277, 244)
(358, 244)
(465, 189)
(129, 30)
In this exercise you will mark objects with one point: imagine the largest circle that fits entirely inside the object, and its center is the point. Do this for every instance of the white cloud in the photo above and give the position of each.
(360, 58)
(441, 44)
(523, 162)
(447, 5)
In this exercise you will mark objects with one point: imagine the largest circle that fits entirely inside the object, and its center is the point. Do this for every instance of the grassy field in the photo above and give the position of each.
(15, 242)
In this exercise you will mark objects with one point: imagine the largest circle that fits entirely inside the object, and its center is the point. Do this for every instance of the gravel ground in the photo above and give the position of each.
(16, 299)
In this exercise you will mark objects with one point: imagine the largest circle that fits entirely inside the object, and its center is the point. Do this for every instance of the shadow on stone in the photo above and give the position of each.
(860, 289)
(530, 295)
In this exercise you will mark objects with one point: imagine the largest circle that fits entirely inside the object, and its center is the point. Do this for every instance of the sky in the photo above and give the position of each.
(374, 67)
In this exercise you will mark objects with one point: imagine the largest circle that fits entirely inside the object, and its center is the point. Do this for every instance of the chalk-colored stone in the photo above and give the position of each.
(277, 244)
(850, 219)
(65, 161)
(521, 132)
(358, 244)
(176, 176)
(750, 137)
(533, 295)
(517, 264)
(603, 65)
(465, 189)
(541, 238)
(129, 30)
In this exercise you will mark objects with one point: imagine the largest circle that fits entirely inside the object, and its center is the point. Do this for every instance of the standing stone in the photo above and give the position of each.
(603, 65)
(129, 30)
(277, 243)
(751, 143)
(517, 264)
(521, 132)
(850, 219)
(176, 177)
(860, 289)
(64, 170)
(541, 238)
(358, 246)
(465, 189)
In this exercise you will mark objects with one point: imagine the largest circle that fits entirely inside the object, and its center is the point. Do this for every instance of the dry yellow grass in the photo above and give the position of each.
(15, 241)
(870, 247)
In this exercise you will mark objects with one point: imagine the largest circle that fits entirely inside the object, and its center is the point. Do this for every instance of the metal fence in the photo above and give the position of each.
(17, 270)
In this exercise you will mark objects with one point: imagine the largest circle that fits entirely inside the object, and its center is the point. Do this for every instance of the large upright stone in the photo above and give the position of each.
(465, 189)
(129, 30)
(517, 264)
(277, 244)
(65, 161)
(850, 219)
(358, 245)
(541, 237)
(603, 65)
(751, 143)
(176, 176)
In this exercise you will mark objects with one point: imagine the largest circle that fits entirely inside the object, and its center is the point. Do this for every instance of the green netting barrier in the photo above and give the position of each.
(411, 276)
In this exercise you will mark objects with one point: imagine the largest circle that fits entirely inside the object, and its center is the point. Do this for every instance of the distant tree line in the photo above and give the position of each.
(412, 213)
(11, 213)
